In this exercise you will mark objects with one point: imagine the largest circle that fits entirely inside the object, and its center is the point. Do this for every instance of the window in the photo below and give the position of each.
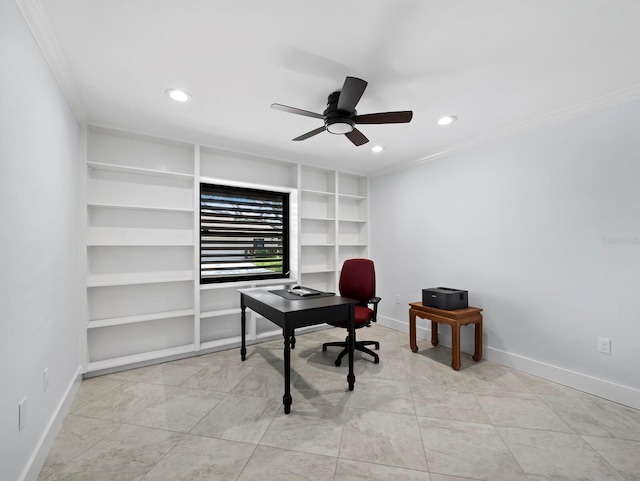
(244, 234)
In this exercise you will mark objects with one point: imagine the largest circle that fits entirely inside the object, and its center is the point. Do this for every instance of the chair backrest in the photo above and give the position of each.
(358, 279)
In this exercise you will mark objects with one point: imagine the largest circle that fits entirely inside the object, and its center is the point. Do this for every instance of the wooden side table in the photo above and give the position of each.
(457, 318)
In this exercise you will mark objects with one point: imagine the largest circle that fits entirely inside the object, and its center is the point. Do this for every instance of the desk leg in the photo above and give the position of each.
(243, 348)
(477, 354)
(412, 331)
(455, 346)
(286, 399)
(434, 333)
(351, 378)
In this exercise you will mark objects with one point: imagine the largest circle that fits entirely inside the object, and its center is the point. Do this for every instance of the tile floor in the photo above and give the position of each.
(411, 417)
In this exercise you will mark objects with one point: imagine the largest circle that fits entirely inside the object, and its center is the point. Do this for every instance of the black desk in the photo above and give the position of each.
(293, 314)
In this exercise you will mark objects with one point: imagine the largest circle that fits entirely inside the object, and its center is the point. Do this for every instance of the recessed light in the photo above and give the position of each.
(446, 120)
(178, 95)
(377, 148)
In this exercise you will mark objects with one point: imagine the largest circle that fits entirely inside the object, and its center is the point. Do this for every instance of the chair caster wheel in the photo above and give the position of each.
(376, 360)
(324, 348)
(338, 362)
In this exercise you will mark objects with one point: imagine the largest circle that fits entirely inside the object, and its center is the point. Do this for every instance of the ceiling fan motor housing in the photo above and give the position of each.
(338, 121)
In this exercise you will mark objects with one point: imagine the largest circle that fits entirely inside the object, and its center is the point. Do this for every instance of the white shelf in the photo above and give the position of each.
(117, 243)
(220, 313)
(104, 280)
(352, 196)
(316, 270)
(114, 236)
(138, 170)
(139, 207)
(353, 220)
(322, 281)
(132, 244)
(119, 321)
(324, 219)
(220, 343)
(269, 334)
(317, 192)
(319, 244)
(141, 357)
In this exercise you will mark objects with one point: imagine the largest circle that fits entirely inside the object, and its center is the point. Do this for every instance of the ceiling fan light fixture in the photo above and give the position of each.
(341, 117)
(339, 126)
(447, 119)
(178, 95)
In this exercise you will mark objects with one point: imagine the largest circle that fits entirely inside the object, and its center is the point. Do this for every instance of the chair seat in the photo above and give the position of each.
(363, 316)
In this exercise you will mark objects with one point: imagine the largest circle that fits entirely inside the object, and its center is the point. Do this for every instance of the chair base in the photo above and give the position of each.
(359, 346)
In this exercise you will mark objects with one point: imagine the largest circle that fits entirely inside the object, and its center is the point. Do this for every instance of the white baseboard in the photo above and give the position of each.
(583, 382)
(40, 453)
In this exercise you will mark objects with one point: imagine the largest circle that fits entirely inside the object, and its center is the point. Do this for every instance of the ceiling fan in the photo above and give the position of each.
(340, 116)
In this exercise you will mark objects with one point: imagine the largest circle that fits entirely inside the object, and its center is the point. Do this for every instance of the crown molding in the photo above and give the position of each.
(611, 99)
(37, 20)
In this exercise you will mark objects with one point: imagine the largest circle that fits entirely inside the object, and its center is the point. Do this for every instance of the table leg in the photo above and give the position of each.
(286, 399)
(351, 378)
(455, 346)
(477, 354)
(434, 333)
(412, 331)
(243, 348)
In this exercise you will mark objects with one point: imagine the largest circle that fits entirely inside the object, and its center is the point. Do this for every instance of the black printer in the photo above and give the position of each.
(445, 298)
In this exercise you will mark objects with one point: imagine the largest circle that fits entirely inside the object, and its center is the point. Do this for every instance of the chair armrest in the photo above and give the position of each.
(374, 301)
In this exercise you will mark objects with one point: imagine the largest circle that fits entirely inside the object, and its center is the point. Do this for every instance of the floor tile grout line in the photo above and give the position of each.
(206, 414)
(255, 446)
(417, 418)
(161, 458)
(84, 450)
(515, 460)
(346, 410)
(556, 413)
(601, 456)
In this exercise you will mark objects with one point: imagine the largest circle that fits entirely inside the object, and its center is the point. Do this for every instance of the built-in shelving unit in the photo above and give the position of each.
(144, 296)
(353, 216)
(318, 228)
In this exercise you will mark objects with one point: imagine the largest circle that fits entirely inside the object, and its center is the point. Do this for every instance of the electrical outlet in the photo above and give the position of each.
(604, 345)
(397, 298)
(22, 414)
(45, 379)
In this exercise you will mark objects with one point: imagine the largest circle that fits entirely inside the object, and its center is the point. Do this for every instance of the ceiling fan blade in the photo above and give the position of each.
(351, 93)
(357, 137)
(293, 110)
(310, 134)
(385, 118)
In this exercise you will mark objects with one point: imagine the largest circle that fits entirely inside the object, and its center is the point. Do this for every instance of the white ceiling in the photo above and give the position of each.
(499, 65)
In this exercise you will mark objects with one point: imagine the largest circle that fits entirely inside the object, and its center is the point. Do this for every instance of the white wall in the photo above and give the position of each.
(39, 246)
(543, 230)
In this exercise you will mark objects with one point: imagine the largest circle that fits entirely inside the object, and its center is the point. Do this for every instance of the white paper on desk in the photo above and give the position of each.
(301, 291)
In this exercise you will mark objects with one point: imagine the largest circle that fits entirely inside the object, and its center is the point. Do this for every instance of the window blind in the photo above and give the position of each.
(243, 234)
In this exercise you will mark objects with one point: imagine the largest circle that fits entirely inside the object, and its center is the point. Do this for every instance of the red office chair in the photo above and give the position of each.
(358, 281)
